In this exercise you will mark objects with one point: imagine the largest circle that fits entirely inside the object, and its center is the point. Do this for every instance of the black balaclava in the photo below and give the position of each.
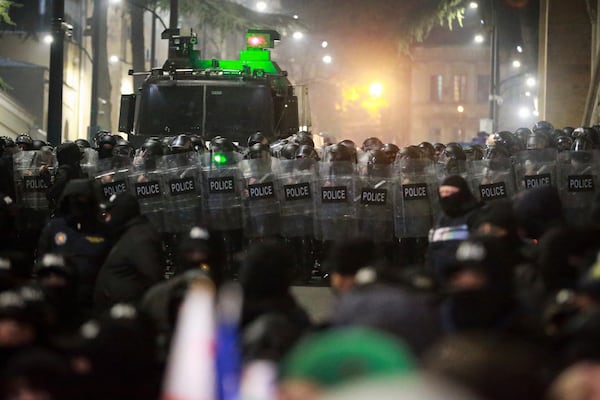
(460, 202)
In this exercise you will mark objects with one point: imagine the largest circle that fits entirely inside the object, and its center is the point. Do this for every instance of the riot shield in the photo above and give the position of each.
(415, 194)
(577, 183)
(374, 203)
(491, 180)
(451, 167)
(147, 186)
(295, 186)
(111, 177)
(259, 198)
(535, 168)
(181, 187)
(32, 172)
(222, 191)
(89, 161)
(335, 208)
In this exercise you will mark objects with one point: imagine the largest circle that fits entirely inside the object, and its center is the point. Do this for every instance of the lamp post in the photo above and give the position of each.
(55, 94)
(494, 66)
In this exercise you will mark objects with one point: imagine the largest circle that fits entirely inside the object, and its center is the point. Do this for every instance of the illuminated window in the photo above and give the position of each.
(459, 88)
(436, 89)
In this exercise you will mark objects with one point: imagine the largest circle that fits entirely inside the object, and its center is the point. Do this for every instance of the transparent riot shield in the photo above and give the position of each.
(222, 191)
(259, 198)
(451, 167)
(111, 175)
(335, 209)
(295, 185)
(535, 168)
(374, 203)
(32, 176)
(147, 186)
(89, 161)
(181, 182)
(491, 180)
(415, 194)
(577, 183)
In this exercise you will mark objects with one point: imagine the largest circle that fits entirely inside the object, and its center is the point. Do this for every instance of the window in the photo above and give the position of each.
(459, 88)
(436, 89)
(483, 88)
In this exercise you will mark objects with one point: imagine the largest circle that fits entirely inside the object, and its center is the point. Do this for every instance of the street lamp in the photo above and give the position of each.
(261, 6)
(298, 35)
(324, 44)
(516, 64)
(48, 39)
(473, 5)
(530, 82)
(327, 59)
(478, 39)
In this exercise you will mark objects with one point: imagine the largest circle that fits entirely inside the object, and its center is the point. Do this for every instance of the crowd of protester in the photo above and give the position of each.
(507, 308)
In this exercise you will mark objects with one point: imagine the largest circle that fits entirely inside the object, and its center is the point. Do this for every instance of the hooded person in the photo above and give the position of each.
(78, 235)
(266, 284)
(538, 211)
(134, 263)
(68, 156)
(479, 289)
(459, 210)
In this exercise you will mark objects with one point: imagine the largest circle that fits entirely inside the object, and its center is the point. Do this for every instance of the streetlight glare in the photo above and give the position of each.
(530, 82)
(298, 35)
(115, 1)
(473, 5)
(528, 94)
(327, 59)
(376, 89)
(296, 16)
(113, 59)
(516, 64)
(261, 6)
(479, 38)
(48, 39)
(324, 44)
(524, 112)
(519, 49)
(460, 109)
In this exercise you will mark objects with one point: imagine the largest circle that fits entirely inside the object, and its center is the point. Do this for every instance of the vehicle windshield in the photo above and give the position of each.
(231, 110)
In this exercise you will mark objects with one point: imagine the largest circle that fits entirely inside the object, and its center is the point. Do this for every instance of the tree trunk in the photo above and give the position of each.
(136, 13)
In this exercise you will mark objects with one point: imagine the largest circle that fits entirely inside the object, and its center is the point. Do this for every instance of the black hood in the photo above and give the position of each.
(76, 187)
(68, 154)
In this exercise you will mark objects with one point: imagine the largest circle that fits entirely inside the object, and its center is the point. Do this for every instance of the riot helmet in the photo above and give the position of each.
(24, 142)
(257, 137)
(568, 130)
(582, 143)
(123, 148)
(105, 144)
(438, 149)
(181, 144)
(150, 151)
(563, 143)
(497, 152)
(410, 153)
(521, 135)
(197, 143)
(452, 157)
(304, 138)
(372, 143)
(38, 144)
(288, 152)
(305, 151)
(220, 144)
(473, 152)
(427, 150)
(339, 152)
(538, 139)
(377, 163)
(83, 143)
(259, 151)
(349, 144)
(391, 151)
(543, 126)
(587, 132)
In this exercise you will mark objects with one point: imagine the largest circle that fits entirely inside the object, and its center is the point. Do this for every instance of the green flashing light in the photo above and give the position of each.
(219, 158)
